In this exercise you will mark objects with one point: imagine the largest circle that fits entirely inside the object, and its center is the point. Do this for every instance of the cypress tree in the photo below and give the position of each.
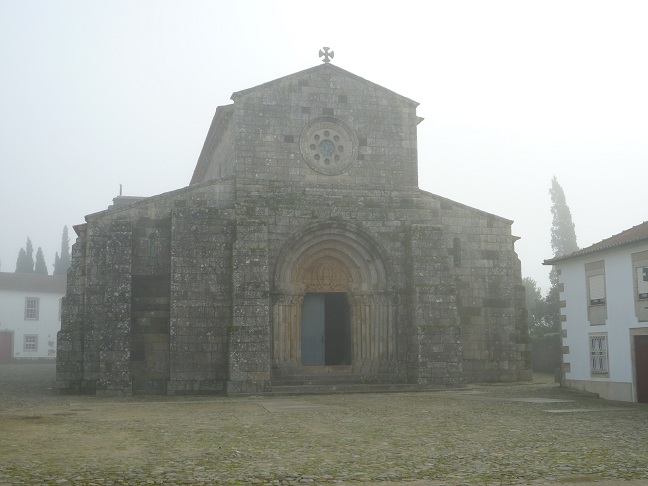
(29, 249)
(40, 267)
(563, 242)
(563, 232)
(62, 262)
(25, 260)
(21, 262)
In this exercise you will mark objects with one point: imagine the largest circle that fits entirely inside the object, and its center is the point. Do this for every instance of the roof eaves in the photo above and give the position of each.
(615, 241)
(27, 282)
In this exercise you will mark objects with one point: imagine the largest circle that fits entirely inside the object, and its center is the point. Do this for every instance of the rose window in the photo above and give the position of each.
(329, 146)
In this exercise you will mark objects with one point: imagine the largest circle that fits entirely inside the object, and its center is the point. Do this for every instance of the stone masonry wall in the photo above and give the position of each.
(249, 337)
(69, 356)
(486, 277)
(201, 299)
(271, 118)
(103, 345)
(436, 336)
(150, 305)
(108, 312)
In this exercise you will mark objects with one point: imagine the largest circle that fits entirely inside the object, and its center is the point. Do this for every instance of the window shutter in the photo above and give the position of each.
(597, 289)
(642, 282)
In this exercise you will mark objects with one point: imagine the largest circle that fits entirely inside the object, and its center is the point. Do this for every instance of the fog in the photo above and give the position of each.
(98, 94)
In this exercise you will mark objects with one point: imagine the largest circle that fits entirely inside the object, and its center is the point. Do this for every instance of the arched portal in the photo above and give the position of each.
(330, 285)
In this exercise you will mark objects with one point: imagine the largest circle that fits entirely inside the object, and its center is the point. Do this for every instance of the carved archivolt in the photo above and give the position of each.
(334, 258)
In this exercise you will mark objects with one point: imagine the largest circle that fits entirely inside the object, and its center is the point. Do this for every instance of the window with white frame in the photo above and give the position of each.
(30, 343)
(31, 308)
(642, 282)
(598, 347)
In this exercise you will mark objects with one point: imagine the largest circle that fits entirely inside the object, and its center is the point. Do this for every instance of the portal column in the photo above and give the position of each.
(287, 330)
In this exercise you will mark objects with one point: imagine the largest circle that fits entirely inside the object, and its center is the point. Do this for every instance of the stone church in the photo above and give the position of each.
(302, 251)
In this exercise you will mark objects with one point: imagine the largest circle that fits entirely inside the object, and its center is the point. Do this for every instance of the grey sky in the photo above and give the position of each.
(97, 94)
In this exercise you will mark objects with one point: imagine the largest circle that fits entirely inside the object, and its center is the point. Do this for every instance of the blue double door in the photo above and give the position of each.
(325, 329)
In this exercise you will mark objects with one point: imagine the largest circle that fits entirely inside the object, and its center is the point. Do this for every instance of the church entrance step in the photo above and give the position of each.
(329, 388)
(334, 379)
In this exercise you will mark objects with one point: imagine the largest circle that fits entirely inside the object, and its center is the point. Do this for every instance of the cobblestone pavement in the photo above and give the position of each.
(533, 433)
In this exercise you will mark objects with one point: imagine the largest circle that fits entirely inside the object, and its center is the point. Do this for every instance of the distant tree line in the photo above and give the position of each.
(543, 313)
(26, 263)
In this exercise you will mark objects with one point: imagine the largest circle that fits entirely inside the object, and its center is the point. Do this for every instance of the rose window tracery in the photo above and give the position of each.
(329, 146)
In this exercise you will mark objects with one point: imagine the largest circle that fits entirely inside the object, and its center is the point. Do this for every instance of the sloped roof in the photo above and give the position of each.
(635, 234)
(120, 201)
(32, 283)
(221, 120)
(465, 206)
(135, 200)
(324, 67)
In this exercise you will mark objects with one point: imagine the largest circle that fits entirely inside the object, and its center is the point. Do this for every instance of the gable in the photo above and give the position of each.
(264, 135)
(325, 69)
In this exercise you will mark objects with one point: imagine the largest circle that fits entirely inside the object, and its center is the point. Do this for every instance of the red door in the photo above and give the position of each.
(641, 367)
(6, 346)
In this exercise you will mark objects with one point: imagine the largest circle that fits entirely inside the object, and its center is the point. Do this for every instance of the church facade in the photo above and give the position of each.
(302, 246)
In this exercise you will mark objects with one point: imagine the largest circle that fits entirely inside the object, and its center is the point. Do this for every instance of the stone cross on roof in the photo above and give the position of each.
(326, 54)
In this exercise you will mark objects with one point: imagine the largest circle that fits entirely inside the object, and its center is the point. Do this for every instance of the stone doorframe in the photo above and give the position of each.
(334, 257)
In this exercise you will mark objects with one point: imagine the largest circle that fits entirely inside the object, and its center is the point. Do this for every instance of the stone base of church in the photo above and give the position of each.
(194, 387)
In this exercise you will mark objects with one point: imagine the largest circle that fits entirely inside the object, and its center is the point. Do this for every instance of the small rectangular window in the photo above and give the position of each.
(31, 308)
(597, 289)
(642, 282)
(598, 353)
(30, 343)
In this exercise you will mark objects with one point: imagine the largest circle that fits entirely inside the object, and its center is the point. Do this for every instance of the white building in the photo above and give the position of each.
(604, 300)
(30, 316)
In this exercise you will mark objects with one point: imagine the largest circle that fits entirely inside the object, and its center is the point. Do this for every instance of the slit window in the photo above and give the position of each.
(456, 252)
(152, 250)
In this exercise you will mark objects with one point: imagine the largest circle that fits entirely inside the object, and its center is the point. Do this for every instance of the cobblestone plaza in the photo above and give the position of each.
(532, 433)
